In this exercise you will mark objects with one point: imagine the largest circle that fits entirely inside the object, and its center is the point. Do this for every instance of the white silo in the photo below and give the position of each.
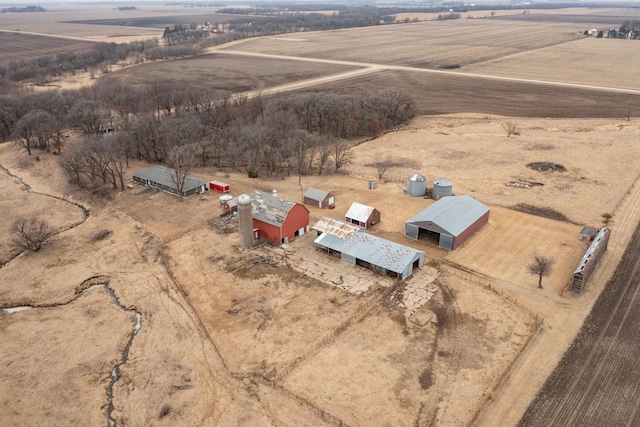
(416, 185)
(442, 187)
(245, 218)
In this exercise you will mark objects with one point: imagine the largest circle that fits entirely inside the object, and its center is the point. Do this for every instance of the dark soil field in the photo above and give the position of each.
(161, 21)
(596, 383)
(452, 93)
(225, 72)
(15, 46)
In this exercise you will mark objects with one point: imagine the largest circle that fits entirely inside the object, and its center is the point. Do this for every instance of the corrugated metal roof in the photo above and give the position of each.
(162, 175)
(359, 212)
(315, 194)
(270, 208)
(453, 214)
(330, 241)
(336, 227)
(597, 241)
(381, 252)
(417, 178)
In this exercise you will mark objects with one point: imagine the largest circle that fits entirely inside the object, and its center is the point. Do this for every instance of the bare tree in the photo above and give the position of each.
(182, 159)
(30, 234)
(510, 128)
(540, 266)
(341, 153)
(382, 164)
(32, 131)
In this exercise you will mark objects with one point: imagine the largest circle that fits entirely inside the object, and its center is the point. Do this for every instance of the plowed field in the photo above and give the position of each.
(597, 381)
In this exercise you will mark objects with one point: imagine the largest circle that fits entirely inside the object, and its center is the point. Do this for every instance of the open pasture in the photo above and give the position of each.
(457, 93)
(443, 44)
(226, 72)
(16, 46)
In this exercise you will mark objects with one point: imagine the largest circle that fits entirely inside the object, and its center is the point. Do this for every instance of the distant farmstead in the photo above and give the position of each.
(161, 178)
(277, 219)
(450, 221)
(319, 198)
(362, 215)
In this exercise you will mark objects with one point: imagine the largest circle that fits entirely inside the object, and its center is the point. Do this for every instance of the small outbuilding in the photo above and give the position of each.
(362, 215)
(450, 221)
(277, 219)
(381, 255)
(319, 198)
(230, 205)
(219, 186)
(163, 179)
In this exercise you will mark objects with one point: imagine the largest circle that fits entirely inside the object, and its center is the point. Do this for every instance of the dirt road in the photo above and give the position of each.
(372, 67)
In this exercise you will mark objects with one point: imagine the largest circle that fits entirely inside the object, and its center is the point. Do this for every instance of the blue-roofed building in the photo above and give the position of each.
(450, 221)
(383, 256)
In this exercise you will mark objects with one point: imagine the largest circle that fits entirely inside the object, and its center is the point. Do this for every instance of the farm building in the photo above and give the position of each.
(319, 198)
(277, 219)
(362, 215)
(162, 179)
(230, 205)
(336, 227)
(383, 256)
(589, 260)
(450, 220)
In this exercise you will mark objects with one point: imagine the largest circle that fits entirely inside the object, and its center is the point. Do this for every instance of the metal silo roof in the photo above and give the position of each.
(417, 178)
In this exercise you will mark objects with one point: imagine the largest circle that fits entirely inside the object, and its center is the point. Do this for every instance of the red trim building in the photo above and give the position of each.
(276, 219)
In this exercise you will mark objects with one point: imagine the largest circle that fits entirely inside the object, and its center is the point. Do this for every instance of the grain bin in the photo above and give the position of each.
(245, 218)
(442, 187)
(416, 185)
(225, 198)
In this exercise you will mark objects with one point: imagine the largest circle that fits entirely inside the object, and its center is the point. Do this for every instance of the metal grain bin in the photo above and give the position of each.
(442, 187)
(416, 185)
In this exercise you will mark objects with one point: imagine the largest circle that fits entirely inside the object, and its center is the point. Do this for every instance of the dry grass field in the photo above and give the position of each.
(229, 73)
(223, 340)
(423, 45)
(16, 46)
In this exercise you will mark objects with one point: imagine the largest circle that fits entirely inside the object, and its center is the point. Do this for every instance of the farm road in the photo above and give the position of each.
(371, 68)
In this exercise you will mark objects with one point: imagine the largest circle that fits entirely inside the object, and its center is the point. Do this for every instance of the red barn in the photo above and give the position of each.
(277, 219)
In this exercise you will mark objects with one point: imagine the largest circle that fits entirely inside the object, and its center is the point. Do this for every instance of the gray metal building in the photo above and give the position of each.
(160, 178)
(450, 221)
(383, 256)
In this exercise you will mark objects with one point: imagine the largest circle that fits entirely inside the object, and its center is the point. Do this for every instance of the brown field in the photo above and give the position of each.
(16, 46)
(225, 341)
(161, 22)
(457, 93)
(422, 45)
(224, 72)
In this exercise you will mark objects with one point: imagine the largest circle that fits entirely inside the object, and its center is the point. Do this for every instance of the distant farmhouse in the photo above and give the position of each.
(451, 220)
(319, 198)
(161, 178)
(353, 245)
(277, 219)
(362, 215)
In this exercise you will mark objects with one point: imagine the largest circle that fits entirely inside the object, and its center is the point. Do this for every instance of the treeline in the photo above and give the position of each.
(299, 134)
(25, 9)
(101, 56)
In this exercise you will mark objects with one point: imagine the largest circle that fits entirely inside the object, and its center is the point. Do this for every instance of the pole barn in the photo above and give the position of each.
(450, 221)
